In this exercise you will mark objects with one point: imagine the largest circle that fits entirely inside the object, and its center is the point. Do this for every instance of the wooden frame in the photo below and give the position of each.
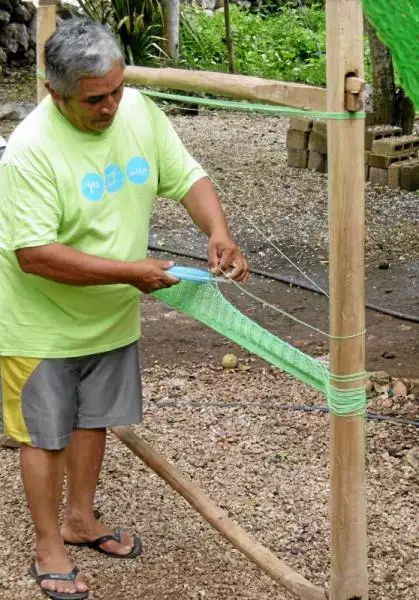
(349, 579)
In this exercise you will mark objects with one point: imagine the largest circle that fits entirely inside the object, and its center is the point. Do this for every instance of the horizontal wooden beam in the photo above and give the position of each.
(239, 87)
(236, 535)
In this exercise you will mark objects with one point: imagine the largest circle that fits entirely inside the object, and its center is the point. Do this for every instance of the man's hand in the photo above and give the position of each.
(204, 206)
(224, 254)
(151, 274)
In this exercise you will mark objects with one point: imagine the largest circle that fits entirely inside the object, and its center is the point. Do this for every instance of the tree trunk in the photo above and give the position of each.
(390, 104)
(229, 38)
(405, 112)
(384, 89)
(171, 28)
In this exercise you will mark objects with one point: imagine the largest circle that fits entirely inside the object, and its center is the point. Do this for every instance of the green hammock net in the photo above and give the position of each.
(397, 25)
(205, 303)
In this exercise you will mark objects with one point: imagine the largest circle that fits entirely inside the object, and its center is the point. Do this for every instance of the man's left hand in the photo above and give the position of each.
(225, 257)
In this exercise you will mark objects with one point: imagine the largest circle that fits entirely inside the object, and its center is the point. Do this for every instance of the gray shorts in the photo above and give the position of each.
(43, 399)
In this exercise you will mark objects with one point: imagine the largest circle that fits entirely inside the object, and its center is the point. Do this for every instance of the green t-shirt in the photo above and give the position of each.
(95, 193)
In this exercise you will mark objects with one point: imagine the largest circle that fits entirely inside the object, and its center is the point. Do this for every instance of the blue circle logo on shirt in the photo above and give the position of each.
(92, 186)
(138, 170)
(114, 178)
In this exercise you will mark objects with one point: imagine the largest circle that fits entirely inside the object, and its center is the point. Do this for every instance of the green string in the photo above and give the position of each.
(345, 402)
(262, 108)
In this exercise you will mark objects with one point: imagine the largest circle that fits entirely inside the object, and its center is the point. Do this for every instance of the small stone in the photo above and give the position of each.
(383, 264)
(387, 354)
(381, 389)
(380, 377)
(387, 403)
(230, 361)
(399, 389)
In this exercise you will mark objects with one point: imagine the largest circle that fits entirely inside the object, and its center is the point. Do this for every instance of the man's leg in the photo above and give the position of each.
(42, 475)
(84, 457)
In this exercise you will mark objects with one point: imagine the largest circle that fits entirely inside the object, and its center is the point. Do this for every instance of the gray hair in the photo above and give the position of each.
(77, 48)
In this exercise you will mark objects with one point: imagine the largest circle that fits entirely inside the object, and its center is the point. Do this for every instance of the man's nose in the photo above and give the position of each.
(109, 106)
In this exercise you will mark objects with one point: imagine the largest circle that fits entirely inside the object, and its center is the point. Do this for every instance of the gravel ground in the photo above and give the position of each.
(267, 467)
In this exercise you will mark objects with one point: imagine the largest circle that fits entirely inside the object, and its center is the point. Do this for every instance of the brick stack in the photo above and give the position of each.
(390, 158)
(394, 161)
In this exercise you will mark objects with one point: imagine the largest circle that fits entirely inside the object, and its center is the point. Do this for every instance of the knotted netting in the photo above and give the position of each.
(205, 303)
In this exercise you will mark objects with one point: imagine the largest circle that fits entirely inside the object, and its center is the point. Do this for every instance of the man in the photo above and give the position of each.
(78, 181)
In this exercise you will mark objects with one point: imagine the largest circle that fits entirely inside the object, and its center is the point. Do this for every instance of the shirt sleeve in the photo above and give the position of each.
(30, 212)
(178, 170)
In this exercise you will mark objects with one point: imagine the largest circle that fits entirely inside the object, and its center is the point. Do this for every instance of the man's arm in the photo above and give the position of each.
(204, 207)
(64, 264)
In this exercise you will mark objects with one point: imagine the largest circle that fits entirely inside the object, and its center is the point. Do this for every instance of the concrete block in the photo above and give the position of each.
(393, 174)
(383, 162)
(378, 132)
(320, 127)
(317, 142)
(378, 176)
(301, 124)
(395, 145)
(366, 155)
(409, 175)
(317, 161)
(297, 158)
(297, 139)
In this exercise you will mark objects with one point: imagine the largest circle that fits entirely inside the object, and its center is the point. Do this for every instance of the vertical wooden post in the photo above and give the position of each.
(349, 579)
(45, 26)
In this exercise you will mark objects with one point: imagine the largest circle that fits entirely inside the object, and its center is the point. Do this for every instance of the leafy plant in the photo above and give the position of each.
(287, 44)
(98, 10)
(137, 23)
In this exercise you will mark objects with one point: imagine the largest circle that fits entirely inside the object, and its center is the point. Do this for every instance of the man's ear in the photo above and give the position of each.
(55, 95)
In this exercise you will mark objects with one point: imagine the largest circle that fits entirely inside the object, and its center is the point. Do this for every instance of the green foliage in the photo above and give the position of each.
(137, 24)
(288, 45)
(285, 42)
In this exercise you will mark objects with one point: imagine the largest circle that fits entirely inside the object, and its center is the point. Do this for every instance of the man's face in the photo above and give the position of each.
(94, 106)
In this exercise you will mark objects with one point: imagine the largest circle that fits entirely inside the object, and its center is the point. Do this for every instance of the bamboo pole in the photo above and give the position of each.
(45, 26)
(241, 87)
(349, 580)
(218, 519)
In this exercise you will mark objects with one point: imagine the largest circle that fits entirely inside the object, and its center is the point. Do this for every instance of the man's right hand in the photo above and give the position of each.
(151, 274)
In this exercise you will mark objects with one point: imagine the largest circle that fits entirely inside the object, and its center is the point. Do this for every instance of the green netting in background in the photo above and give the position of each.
(397, 25)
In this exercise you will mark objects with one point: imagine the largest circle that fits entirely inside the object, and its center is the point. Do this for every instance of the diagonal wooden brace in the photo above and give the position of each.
(217, 518)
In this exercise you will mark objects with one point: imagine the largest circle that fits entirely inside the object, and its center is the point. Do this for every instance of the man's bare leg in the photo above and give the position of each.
(42, 475)
(84, 457)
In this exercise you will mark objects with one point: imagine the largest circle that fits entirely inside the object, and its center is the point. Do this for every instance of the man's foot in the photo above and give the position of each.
(115, 543)
(54, 563)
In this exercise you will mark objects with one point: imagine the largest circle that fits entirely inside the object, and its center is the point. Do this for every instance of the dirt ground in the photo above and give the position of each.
(239, 433)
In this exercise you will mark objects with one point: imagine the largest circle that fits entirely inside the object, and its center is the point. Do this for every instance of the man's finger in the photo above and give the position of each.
(227, 259)
(213, 261)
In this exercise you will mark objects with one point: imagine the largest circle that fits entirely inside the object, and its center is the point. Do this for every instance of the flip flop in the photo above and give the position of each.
(136, 550)
(59, 577)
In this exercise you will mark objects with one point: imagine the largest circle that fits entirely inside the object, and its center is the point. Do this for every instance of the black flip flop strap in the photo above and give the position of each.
(115, 537)
(60, 576)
